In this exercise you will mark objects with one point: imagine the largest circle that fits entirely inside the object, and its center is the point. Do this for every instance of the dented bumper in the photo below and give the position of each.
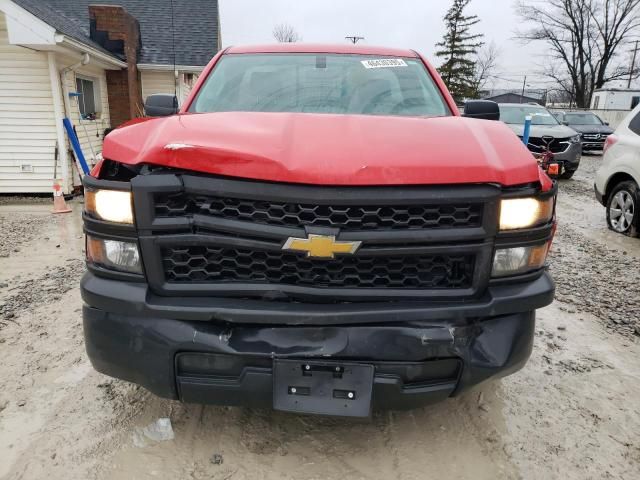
(420, 354)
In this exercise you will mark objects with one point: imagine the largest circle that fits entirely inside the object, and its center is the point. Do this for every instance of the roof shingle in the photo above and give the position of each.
(195, 23)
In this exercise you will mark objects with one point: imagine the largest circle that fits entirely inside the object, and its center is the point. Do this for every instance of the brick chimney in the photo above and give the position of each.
(118, 32)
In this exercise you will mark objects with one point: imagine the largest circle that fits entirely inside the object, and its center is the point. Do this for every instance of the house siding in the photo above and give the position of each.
(156, 82)
(27, 120)
(93, 136)
(186, 86)
(163, 82)
(27, 124)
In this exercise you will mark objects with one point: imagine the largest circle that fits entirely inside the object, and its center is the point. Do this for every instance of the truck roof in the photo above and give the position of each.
(344, 49)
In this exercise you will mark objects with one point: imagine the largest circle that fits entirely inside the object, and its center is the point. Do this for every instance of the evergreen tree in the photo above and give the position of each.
(459, 48)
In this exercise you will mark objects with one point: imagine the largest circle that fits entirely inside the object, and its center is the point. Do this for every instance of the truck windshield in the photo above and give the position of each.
(320, 83)
(516, 115)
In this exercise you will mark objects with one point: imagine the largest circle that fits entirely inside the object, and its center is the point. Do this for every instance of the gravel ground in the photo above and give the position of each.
(569, 414)
(596, 274)
(47, 288)
(609, 287)
(18, 228)
(25, 200)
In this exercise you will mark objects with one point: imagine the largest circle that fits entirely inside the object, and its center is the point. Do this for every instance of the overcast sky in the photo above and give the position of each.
(415, 24)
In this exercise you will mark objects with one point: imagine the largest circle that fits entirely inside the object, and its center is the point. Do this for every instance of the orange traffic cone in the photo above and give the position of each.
(59, 205)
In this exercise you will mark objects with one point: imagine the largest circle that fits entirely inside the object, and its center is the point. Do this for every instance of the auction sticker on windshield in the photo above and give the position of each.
(384, 63)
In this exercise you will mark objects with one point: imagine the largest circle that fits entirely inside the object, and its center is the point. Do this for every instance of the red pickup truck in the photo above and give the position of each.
(317, 230)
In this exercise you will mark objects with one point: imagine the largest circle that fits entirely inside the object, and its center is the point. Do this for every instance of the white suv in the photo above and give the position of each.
(618, 178)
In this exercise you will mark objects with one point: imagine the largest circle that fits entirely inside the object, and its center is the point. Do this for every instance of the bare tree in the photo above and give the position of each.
(285, 33)
(558, 96)
(584, 38)
(485, 66)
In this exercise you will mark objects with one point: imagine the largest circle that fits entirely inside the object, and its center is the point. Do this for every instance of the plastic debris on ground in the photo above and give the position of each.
(158, 431)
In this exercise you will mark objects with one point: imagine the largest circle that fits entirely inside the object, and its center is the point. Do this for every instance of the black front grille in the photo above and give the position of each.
(555, 145)
(205, 235)
(345, 217)
(595, 137)
(201, 264)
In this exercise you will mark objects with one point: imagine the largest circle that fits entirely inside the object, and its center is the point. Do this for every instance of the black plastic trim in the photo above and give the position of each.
(599, 195)
(530, 190)
(151, 246)
(158, 231)
(101, 228)
(115, 274)
(524, 237)
(144, 349)
(525, 277)
(203, 230)
(126, 297)
(145, 187)
(93, 183)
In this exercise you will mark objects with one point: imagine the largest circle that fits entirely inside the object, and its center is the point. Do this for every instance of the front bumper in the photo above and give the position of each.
(592, 145)
(218, 351)
(570, 158)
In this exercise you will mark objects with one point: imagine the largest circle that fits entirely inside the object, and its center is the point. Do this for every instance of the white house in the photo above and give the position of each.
(114, 53)
(615, 99)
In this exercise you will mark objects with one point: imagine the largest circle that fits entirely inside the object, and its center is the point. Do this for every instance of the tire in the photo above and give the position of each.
(567, 174)
(623, 209)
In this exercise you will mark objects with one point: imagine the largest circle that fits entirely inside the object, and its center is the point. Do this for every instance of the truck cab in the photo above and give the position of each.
(317, 230)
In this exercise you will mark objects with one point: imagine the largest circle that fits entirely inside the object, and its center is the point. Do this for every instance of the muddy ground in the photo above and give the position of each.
(572, 413)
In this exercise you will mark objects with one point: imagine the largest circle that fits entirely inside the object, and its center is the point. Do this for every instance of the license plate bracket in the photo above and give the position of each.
(324, 388)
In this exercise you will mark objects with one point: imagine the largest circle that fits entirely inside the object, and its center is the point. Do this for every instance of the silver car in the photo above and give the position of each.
(546, 132)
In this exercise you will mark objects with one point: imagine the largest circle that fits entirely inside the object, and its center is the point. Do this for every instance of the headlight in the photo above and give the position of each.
(110, 205)
(518, 260)
(524, 212)
(575, 139)
(114, 255)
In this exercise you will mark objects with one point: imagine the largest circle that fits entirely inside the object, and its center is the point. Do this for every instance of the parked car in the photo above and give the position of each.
(546, 132)
(618, 178)
(317, 230)
(592, 129)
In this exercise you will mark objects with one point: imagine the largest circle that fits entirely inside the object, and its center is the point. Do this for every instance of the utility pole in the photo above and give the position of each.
(633, 65)
(354, 39)
(524, 84)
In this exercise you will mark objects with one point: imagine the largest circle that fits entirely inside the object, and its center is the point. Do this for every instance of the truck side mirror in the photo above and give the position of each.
(482, 109)
(565, 123)
(161, 105)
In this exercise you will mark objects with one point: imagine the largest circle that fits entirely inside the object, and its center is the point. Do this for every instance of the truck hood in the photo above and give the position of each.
(329, 149)
(539, 131)
(602, 129)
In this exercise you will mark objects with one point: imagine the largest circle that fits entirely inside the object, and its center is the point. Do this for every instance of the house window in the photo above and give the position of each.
(634, 102)
(596, 102)
(87, 103)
